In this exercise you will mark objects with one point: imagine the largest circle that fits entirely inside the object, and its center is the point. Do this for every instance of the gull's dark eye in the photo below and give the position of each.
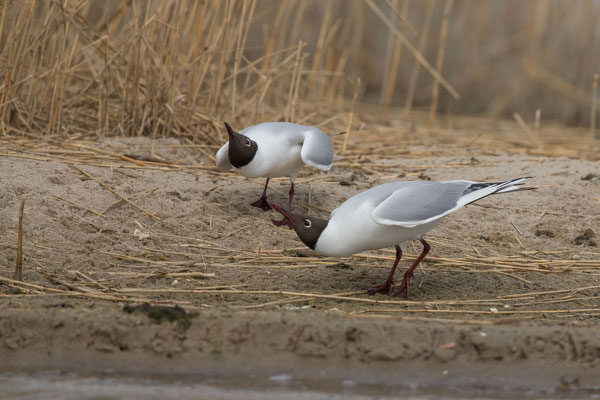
(307, 223)
(247, 142)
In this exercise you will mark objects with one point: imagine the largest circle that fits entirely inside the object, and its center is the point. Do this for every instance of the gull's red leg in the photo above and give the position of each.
(291, 195)
(386, 288)
(262, 202)
(404, 288)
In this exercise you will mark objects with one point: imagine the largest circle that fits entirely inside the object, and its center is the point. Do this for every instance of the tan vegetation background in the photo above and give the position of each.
(80, 67)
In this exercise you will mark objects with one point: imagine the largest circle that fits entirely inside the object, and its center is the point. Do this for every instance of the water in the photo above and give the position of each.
(69, 386)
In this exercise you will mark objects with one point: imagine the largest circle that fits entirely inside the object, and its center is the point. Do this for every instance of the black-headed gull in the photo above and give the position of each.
(388, 215)
(274, 149)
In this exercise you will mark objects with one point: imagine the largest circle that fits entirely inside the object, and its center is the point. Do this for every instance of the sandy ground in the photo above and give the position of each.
(511, 282)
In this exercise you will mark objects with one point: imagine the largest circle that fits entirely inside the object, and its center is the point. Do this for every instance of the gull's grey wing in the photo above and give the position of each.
(222, 157)
(417, 203)
(413, 205)
(317, 149)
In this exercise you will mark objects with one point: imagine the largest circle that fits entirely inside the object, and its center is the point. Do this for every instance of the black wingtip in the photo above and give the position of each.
(521, 180)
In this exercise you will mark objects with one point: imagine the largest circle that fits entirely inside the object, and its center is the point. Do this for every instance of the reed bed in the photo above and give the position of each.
(89, 68)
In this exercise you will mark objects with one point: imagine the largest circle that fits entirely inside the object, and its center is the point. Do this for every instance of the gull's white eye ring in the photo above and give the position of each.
(307, 223)
(247, 142)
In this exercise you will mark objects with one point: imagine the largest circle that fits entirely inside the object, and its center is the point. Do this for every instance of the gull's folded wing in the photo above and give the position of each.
(414, 205)
(317, 150)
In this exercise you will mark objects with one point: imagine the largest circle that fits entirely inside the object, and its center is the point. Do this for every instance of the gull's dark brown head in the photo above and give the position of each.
(241, 148)
(307, 228)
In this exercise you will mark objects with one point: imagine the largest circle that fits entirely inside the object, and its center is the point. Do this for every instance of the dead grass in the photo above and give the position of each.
(85, 68)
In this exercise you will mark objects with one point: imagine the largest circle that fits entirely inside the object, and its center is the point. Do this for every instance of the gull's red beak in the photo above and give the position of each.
(283, 212)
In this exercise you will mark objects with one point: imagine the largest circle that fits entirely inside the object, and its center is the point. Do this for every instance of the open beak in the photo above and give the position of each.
(230, 131)
(283, 211)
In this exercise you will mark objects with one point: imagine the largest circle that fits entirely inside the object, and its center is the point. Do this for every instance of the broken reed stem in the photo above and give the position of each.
(593, 111)
(349, 126)
(555, 82)
(538, 114)
(104, 185)
(78, 205)
(453, 321)
(97, 296)
(19, 265)
(289, 114)
(392, 71)
(524, 126)
(418, 54)
(488, 312)
(414, 74)
(402, 16)
(440, 62)
(297, 87)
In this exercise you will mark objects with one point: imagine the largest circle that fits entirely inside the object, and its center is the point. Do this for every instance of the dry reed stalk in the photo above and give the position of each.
(351, 115)
(414, 74)
(538, 114)
(389, 48)
(160, 274)
(78, 205)
(402, 15)
(104, 185)
(453, 321)
(139, 259)
(238, 59)
(109, 153)
(95, 282)
(416, 53)
(18, 275)
(483, 312)
(301, 294)
(98, 229)
(116, 203)
(335, 86)
(30, 285)
(572, 291)
(389, 83)
(593, 111)
(95, 296)
(524, 126)
(557, 83)
(175, 291)
(440, 61)
(535, 211)
(320, 45)
(290, 300)
(52, 278)
(294, 83)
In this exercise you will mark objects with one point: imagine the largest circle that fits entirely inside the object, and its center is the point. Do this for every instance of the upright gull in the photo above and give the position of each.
(274, 149)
